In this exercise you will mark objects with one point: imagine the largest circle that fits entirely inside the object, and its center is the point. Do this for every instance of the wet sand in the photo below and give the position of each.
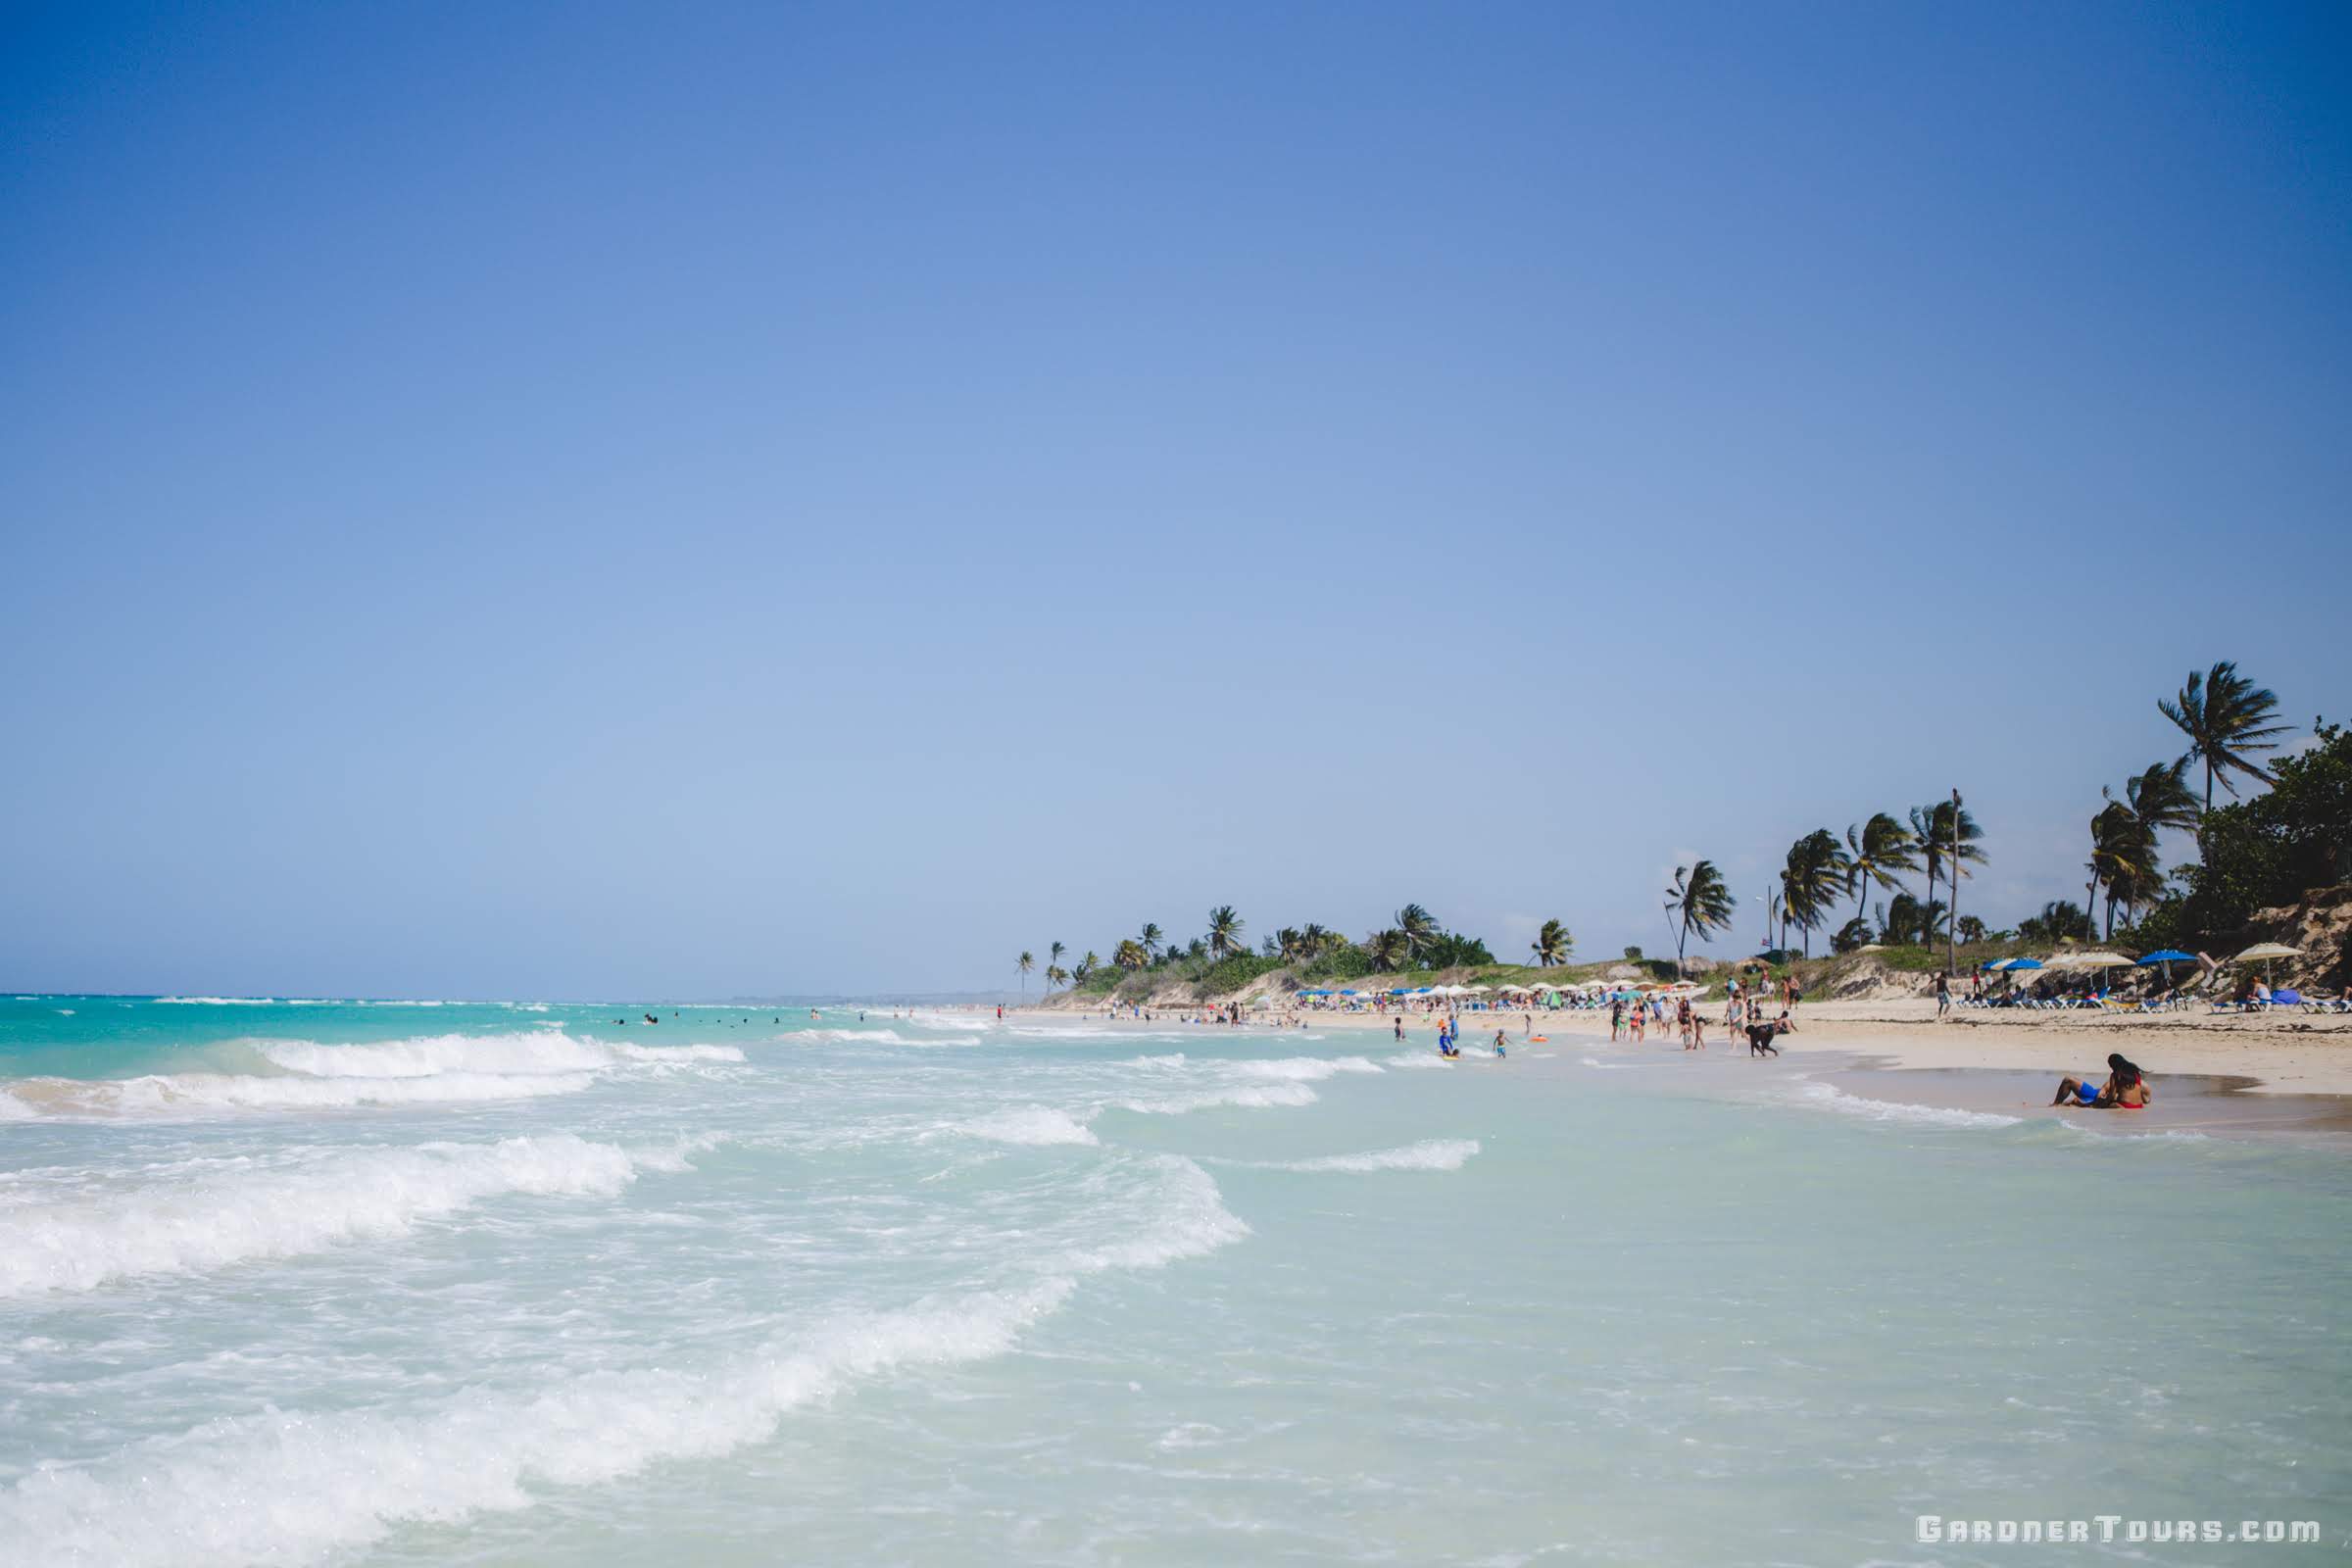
(2215, 1105)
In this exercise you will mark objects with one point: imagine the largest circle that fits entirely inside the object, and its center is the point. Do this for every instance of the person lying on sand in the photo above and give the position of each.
(2126, 1089)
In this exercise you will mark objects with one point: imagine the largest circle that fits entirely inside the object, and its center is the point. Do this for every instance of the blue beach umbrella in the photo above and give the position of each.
(2168, 957)
(2023, 964)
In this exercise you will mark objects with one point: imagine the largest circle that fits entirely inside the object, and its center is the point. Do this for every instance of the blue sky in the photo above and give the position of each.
(591, 501)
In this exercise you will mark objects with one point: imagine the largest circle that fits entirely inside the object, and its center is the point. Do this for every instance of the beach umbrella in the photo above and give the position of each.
(2266, 951)
(2023, 964)
(2167, 958)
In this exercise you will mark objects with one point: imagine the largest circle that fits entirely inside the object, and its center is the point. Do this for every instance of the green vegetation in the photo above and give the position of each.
(1698, 904)
(1219, 961)
(2267, 850)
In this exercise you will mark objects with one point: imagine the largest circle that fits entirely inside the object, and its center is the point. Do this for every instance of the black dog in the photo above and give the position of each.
(1760, 1037)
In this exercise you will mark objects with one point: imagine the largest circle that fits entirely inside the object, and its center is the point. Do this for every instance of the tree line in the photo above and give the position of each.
(1414, 938)
(2250, 854)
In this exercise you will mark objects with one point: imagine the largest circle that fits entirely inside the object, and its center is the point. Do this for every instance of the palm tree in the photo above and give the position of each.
(1150, 941)
(1289, 944)
(1025, 963)
(1055, 974)
(1699, 905)
(1317, 940)
(1876, 850)
(1086, 966)
(1054, 954)
(1129, 955)
(2227, 718)
(1552, 944)
(1386, 949)
(1933, 827)
(1419, 928)
(1224, 931)
(2159, 796)
(2123, 858)
(1817, 870)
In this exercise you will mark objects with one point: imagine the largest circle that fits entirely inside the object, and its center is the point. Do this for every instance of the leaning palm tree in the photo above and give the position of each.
(1698, 905)
(1934, 828)
(1876, 850)
(1419, 927)
(1150, 940)
(1224, 931)
(1386, 949)
(1055, 974)
(2123, 858)
(1815, 873)
(2227, 718)
(2159, 796)
(1552, 944)
(1025, 963)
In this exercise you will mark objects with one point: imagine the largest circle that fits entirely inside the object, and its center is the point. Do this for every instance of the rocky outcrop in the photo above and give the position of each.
(2322, 926)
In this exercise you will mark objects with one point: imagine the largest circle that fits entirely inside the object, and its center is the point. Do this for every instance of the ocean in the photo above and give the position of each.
(298, 1282)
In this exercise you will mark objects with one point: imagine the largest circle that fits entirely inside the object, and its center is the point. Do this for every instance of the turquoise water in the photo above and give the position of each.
(333, 1282)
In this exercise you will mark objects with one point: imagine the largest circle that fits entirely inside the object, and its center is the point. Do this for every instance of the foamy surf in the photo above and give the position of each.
(1431, 1153)
(338, 1480)
(281, 1211)
(1829, 1096)
(306, 1075)
(1246, 1097)
(1029, 1124)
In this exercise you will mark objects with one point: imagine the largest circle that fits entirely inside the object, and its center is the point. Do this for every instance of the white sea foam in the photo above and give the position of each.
(1029, 1124)
(337, 1480)
(1248, 1097)
(1829, 1096)
(868, 1036)
(219, 1002)
(340, 1479)
(1302, 1069)
(185, 1093)
(234, 1215)
(514, 1054)
(1431, 1153)
(422, 1070)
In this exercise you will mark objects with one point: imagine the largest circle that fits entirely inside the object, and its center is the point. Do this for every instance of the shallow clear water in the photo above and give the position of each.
(503, 1285)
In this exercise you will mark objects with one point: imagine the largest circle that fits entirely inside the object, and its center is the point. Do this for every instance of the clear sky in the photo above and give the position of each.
(507, 500)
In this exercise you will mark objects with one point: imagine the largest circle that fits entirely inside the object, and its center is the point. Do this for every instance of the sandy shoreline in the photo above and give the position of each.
(2216, 1073)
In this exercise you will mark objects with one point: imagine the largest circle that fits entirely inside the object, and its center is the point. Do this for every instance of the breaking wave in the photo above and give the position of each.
(1431, 1153)
(1829, 1096)
(305, 1075)
(281, 1211)
(337, 1480)
(1029, 1124)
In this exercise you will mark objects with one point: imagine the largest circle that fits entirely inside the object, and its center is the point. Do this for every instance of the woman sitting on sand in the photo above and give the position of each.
(2126, 1089)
